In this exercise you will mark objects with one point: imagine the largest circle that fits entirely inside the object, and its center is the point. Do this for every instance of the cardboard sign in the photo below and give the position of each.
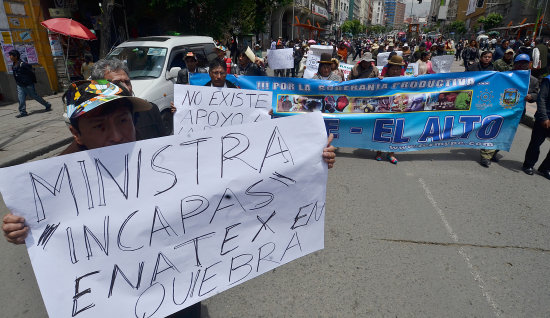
(280, 59)
(203, 107)
(148, 228)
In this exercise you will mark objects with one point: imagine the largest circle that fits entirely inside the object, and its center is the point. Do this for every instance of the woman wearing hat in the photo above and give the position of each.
(365, 68)
(395, 66)
(324, 72)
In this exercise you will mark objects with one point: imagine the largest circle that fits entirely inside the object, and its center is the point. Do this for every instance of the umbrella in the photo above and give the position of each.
(311, 42)
(70, 28)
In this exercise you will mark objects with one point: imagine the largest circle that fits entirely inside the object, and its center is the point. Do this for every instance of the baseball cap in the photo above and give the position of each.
(84, 96)
(522, 57)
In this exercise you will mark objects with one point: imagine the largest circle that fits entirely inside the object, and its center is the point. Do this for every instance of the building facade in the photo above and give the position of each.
(378, 13)
(21, 30)
(399, 14)
(302, 19)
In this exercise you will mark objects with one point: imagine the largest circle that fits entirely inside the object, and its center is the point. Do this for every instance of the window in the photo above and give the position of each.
(142, 61)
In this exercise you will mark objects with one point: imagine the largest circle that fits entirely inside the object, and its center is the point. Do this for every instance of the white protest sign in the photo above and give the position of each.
(346, 69)
(280, 58)
(442, 63)
(203, 107)
(148, 228)
(382, 58)
(313, 58)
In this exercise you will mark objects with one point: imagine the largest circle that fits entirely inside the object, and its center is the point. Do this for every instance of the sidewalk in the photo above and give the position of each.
(22, 139)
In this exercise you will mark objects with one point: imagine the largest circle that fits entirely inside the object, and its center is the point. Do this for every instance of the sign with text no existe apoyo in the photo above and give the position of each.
(204, 107)
(146, 229)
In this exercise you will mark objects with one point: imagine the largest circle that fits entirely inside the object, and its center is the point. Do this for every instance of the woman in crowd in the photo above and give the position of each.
(395, 67)
(470, 55)
(424, 64)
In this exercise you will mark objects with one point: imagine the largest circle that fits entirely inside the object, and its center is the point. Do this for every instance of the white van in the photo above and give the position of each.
(154, 63)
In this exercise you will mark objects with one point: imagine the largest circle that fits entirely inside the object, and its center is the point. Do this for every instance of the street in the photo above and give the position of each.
(437, 235)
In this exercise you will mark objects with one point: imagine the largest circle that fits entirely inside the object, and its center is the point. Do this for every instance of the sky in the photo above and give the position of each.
(420, 10)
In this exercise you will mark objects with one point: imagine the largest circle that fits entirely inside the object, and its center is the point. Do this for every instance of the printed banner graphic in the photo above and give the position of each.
(148, 228)
(471, 110)
(204, 107)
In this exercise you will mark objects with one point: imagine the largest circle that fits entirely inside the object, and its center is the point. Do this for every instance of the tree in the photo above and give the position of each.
(107, 7)
(492, 20)
(220, 17)
(353, 26)
(458, 27)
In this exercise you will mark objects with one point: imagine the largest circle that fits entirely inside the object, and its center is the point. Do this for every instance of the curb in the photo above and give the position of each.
(38, 152)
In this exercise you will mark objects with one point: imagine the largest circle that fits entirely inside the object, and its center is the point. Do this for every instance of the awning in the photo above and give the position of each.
(308, 26)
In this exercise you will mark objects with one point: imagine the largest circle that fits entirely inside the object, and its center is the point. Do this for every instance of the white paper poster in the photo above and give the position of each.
(382, 58)
(202, 107)
(442, 63)
(4, 25)
(32, 57)
(313, 57)
(148, 228)
(280, 59)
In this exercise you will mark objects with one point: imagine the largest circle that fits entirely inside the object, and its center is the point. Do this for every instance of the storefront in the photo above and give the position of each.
(20, 30)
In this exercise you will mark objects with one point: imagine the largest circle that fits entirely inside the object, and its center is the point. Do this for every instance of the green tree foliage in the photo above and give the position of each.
(492, 20)
(458, 27)
(353, 26)
(220, 17)
(376, 29)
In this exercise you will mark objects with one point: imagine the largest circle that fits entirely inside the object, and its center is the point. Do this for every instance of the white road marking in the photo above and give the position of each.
(465, 256)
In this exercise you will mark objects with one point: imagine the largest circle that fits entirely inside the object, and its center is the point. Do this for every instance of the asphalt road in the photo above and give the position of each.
(438, 235)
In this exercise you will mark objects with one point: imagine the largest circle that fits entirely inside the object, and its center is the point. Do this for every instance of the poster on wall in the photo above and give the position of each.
(32, 57)
(6, 37)
(55, 44)
(23, 51)
(6, 48)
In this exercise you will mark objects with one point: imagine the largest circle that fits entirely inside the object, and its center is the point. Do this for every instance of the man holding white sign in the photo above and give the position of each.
(98, 121)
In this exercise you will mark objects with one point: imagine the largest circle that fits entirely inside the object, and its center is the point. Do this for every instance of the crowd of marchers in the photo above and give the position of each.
(101, 110)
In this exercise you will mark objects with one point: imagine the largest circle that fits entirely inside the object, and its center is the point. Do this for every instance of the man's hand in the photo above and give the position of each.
(546, 124)
(14, 229)
(529, 98)
(172, 108)
(329, 156)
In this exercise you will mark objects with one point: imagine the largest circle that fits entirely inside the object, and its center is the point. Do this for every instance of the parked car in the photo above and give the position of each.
(154, 63)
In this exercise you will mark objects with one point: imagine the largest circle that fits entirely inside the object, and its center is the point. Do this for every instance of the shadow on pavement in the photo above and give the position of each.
(18, 133)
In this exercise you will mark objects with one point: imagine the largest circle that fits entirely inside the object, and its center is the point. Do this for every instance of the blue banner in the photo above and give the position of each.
(469, 110)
